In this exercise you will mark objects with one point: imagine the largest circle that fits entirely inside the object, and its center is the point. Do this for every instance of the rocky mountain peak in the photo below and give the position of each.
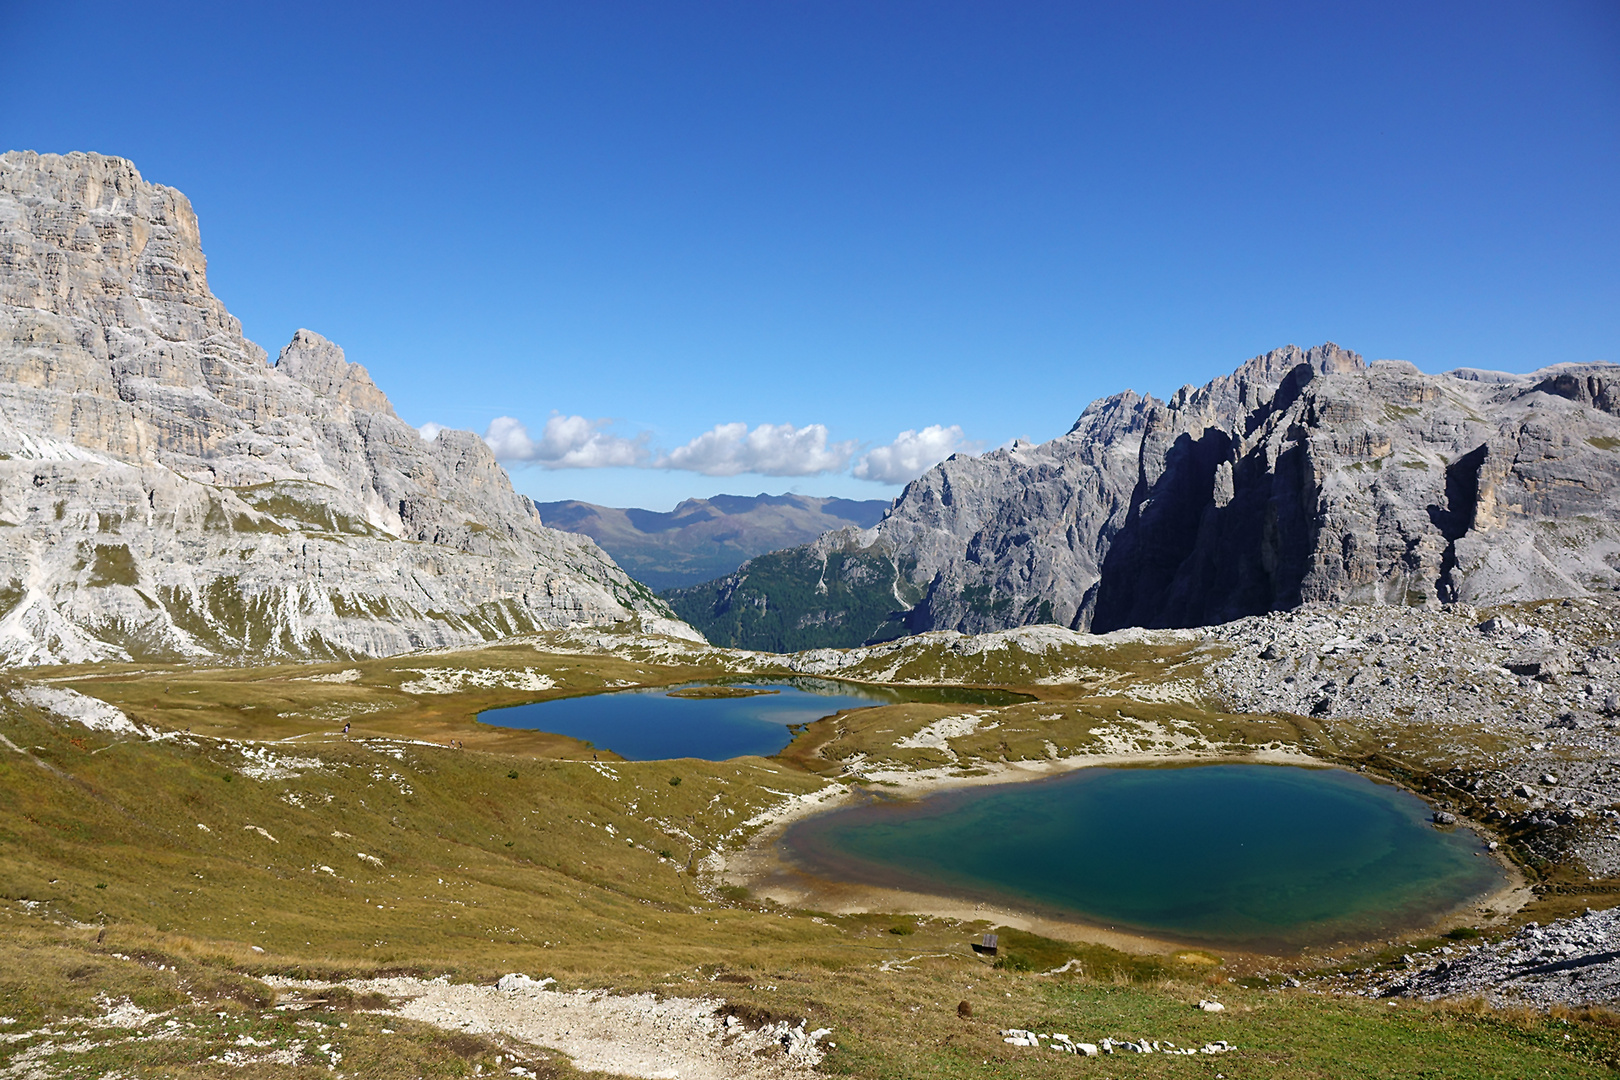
(320, 365)
(1325, 359)
(1306, 475)
(87, 237)
(165, 491)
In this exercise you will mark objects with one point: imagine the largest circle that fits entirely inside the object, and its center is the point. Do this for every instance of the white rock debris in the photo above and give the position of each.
(636, 1035)
(456, 680)
(1065, 1044)
(936, 735)
(349, 675)
(1573, 961)
(71, 705)
(261, 763)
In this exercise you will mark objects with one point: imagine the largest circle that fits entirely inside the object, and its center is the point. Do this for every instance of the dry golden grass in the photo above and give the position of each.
(387, 851)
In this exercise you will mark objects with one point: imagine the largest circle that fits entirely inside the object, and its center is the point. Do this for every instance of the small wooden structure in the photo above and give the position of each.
(988, 948)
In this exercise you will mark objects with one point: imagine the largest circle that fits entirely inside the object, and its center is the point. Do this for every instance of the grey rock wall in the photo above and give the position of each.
(1303, 476)
(165, 491)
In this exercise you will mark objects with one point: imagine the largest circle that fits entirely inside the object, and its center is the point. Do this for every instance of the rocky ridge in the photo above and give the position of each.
(1305, 475)
(167, 492)
(1573, 961)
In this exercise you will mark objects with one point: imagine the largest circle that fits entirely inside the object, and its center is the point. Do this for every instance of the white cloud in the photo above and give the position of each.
(911, 454)
(567, 442)
(430, 431)
(769, 449)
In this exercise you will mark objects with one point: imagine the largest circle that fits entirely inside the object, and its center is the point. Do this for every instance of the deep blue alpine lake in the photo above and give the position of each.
(1247, 856)
(651, 724)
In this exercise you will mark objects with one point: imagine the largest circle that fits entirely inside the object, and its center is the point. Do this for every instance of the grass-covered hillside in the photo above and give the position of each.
(205, 896)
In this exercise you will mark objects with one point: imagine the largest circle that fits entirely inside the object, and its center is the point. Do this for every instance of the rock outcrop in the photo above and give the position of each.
(166, 492)
(1573, 961)
(1306, 475)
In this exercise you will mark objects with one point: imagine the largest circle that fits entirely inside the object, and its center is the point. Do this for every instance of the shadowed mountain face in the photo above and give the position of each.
(705, 538)
(167, 492)
(1305, 475)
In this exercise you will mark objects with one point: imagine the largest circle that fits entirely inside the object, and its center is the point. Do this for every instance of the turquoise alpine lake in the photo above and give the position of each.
(1264, 857)
(663, 722)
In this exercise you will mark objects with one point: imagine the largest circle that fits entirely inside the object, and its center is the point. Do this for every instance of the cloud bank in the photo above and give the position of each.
(769, 450)
(575, 442)
(911, 454)
(567, 442)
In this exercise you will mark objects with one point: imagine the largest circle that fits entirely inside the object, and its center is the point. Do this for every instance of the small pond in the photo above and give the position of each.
(1245, 856)
(713, 721)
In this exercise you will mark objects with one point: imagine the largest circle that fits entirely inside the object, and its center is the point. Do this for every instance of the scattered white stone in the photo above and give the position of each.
(935, 736)
(455, 680)
(123, 1013)
(1066, 1044)
(347, 676)
(259, 763)
(71, 705)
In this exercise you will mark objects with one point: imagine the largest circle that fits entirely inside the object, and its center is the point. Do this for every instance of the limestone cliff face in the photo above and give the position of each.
(165, 491)
(1304, 475)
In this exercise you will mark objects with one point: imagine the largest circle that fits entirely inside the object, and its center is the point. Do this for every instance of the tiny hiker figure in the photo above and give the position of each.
(345, 727)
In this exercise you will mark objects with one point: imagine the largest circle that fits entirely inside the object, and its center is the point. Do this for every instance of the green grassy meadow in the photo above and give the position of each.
(252, 839)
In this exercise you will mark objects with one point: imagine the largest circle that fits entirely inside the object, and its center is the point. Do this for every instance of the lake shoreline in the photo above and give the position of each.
(769, 872)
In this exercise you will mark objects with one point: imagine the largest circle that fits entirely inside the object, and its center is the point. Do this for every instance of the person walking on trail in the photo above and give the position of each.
(345, 727)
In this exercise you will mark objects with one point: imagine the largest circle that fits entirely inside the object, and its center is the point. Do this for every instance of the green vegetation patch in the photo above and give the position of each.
(301, 505)
(702, 692)
(791, 600)
(114, 565)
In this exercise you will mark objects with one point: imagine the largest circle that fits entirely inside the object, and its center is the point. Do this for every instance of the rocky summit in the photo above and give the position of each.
(165, 491)
(1305, 475)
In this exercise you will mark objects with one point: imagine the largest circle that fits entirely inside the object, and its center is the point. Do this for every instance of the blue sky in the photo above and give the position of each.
(743, 247)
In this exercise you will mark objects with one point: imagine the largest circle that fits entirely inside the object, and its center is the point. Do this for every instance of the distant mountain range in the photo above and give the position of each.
(702, 539)
(1305, 475)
